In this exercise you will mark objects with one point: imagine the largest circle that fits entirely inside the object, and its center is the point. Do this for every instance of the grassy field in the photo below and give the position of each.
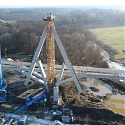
(11, 21)
(112, 36)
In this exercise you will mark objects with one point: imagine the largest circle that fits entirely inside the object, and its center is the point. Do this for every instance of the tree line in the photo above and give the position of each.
(81, 45)
(91, 18)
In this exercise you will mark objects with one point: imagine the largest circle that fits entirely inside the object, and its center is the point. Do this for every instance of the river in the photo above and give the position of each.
(115, 102)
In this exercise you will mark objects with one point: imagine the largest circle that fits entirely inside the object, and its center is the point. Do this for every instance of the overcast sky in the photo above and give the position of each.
(59, 2)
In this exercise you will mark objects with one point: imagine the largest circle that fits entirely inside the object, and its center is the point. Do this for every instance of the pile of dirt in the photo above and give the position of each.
(95, 116)
(71, 96)
(89, 108)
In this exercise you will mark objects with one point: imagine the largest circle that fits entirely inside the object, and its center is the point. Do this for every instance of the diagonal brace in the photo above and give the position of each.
(37, 53)
(72, 73)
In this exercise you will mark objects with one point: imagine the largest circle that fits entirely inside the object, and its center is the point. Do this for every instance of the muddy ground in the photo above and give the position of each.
(88, 108)
(15, 82)
(92, 109)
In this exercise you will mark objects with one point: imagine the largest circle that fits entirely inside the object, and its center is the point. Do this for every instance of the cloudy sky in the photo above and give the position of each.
(59, 2)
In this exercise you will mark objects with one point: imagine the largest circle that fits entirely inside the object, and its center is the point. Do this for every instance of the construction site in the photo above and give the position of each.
(49, 94)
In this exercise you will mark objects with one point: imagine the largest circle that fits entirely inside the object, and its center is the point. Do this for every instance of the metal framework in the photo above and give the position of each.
(50, 52)
(3, 86)
(30, 102)
(49, 34)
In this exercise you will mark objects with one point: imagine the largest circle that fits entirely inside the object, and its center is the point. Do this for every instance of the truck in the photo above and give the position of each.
(23, 120)
(67, 115)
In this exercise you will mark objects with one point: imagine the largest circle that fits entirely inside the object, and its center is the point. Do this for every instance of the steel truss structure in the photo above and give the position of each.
(49, 33)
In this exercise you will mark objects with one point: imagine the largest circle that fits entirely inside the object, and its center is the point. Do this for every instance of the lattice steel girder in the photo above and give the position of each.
(50, 52)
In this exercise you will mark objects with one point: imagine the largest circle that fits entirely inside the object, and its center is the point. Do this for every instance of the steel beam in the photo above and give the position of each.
(60, 74)
(37, 53)
(43, 74)
(67, 62)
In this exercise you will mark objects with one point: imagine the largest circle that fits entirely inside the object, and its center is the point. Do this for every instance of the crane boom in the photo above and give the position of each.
(50, 49)
(42, 96)
(3, 86)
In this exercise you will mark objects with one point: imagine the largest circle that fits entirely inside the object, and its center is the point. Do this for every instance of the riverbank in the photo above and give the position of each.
(89, 108)
(117, 85)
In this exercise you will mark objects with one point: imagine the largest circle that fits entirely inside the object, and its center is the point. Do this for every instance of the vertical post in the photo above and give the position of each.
(1, 82)
(5, 52)
(50, 51)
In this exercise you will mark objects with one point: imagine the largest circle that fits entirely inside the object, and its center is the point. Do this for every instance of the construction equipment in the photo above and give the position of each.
(50, 49)
(23, 120)
(3, 86)
(27, 103)
(51, 81)
(64, 114)
(49, 78)
(67, 115)
(49, 17)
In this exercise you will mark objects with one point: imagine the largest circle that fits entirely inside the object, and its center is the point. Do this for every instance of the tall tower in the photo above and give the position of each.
(49, 34)
(50, 51)
(50, 47)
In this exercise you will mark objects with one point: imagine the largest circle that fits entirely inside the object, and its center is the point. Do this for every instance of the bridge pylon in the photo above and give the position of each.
(49, 33)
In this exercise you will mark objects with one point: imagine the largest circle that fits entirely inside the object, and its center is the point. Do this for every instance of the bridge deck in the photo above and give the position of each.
(81, 71)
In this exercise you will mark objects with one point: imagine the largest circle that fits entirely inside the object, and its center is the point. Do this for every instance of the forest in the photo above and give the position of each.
(81, 45)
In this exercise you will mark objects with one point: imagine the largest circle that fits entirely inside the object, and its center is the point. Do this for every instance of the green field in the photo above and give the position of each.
(112, 36)
(11, 21)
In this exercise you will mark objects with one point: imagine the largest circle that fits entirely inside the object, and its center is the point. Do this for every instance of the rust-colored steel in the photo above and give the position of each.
(50, 52)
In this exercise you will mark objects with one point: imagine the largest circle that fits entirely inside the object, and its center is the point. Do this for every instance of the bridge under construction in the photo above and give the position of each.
(51, 75)
(81, 71)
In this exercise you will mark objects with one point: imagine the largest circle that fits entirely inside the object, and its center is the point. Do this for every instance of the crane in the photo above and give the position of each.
(3, 86)
(27, 103)
(50, 52)
(50, 48)
(48, 78)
